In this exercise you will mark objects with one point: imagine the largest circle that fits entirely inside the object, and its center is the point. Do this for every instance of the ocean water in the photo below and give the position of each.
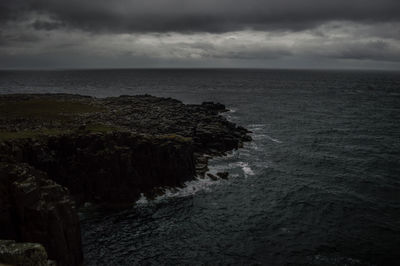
(318, 185)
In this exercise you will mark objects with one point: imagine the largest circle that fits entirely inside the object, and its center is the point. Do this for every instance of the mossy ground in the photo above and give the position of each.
(26, 134)
(37, 133)
(47, 132)
(176, 137)
(41, 114)
(45, 109)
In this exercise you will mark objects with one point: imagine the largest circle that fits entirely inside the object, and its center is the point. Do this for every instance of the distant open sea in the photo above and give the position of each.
(319, 185)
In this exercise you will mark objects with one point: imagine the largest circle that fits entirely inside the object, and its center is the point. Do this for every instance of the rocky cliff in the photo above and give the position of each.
(34, 208)
(111, 167)
(57, 151)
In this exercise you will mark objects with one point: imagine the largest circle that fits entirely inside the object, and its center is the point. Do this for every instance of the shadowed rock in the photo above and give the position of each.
(36, 209)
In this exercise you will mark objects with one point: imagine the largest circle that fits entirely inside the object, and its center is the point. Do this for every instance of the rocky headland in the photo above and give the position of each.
(58, 151)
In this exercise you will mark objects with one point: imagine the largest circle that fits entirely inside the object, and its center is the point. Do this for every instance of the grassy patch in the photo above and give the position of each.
(45, 109)
(100, 128)
(26, 134)
(177, 138)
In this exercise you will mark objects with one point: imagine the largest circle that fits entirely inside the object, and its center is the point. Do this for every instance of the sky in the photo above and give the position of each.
(317, 34)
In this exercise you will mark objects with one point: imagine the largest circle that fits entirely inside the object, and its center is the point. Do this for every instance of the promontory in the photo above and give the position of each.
(58, 151)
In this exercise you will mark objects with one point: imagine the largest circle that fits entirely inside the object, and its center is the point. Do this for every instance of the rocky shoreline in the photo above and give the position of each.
(58, 151)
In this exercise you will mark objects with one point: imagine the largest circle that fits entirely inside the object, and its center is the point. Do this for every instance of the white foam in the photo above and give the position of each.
(265, 136)
(230, 154)
(246, 169)
(273, 139)
(189, 188)
(256, 125)
(246, 153)
(142, 200)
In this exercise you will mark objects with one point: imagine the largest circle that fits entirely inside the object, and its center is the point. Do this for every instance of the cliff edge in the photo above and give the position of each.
(58, 151)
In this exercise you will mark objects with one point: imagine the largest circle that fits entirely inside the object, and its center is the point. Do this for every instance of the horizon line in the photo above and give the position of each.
(199, 68)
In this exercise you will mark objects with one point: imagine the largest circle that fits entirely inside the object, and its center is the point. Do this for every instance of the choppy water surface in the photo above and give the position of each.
(319, 185)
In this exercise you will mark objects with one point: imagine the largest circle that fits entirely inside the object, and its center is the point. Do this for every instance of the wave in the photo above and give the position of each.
(255, 127)
(200, 184)
(142, 200)
(246, 169)
(189, 188)
(265, 136)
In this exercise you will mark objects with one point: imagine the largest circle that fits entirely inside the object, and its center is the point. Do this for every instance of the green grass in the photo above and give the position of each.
(100, 128)
(177, 138)
(45, 109)
(27, 134)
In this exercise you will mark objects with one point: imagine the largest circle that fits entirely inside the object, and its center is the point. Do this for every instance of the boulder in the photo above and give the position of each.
(219, 107)
(223, 175)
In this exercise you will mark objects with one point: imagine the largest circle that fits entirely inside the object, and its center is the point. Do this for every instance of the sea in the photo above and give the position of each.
(318, 185)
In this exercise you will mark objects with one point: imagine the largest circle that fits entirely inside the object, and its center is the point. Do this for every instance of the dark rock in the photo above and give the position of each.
(103, 150)
(36, 209)
(223, 175)
(113, 167)
(213, 177)
(214, 106)
(142, 142)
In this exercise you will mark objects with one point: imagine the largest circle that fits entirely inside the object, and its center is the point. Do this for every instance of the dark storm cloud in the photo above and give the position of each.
(373, 50)
(7, 39)
(205, 33)
(198, 15)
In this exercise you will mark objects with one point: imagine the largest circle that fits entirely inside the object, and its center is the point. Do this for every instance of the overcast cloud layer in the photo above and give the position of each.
(194, 33)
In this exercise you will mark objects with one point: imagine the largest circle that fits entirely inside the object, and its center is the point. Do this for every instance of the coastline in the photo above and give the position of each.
(58, 151)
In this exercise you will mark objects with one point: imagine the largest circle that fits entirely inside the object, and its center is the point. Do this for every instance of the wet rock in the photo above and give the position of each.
(223, 175)
(218, 107)
(212, 177)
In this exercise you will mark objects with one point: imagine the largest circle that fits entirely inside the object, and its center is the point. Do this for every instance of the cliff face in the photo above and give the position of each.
(110, 167)
(100, 150)
(35, 209)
